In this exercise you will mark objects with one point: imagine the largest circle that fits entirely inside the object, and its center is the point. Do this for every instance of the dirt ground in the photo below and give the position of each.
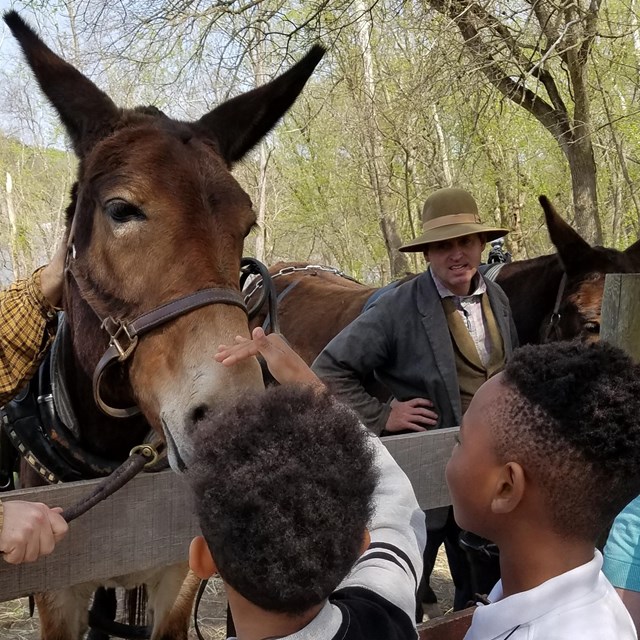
(15, 623)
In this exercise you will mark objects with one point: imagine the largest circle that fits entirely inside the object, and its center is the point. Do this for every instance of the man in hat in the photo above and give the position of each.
(431, 342)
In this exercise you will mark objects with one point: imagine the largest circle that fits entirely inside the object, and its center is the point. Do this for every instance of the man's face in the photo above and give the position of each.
(456, 261)
(473, 470)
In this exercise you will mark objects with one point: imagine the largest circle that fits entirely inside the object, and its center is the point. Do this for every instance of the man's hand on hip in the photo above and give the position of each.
(411, 415)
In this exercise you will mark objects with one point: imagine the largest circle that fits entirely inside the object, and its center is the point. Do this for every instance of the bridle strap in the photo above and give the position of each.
(179, 307)
(124, 335)
(555, 314)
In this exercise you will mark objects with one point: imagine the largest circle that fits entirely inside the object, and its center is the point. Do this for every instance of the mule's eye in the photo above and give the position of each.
(592, 327)
(122, 211)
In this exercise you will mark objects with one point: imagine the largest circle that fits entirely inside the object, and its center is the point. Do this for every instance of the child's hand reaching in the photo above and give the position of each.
(285, 365)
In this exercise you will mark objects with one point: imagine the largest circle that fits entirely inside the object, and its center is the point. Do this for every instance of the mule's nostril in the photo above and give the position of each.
(198, 413)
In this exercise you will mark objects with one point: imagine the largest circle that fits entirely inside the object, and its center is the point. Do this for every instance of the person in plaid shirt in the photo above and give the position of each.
(28, 309)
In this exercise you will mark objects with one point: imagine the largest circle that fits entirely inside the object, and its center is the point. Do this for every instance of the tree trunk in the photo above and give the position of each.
(444, 150)
(498, 48)
(584, 187)
(261, 237)
(374, 148)
(14, 244)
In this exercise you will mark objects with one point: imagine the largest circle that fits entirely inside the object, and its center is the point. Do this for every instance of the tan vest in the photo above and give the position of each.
(471, 372)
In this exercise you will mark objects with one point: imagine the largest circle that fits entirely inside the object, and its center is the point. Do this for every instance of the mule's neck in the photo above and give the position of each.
(532, 287)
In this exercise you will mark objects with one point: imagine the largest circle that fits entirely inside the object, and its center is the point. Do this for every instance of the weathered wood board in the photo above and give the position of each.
(450, 627)
(423, 457)
(620, 324)
(150, 522)
(147, 524)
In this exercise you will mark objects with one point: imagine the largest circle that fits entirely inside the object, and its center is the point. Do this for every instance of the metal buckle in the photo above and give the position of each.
(118, 330)
(146, 451)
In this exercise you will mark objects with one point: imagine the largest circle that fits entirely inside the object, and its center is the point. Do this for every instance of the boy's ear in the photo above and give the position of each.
(509, 488)
(201, 561)
(366, 541)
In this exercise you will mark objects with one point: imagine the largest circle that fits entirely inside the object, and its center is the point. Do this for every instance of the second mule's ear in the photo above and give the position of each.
(240, 123)
(572, 248)
(633, 252)
(87, 113)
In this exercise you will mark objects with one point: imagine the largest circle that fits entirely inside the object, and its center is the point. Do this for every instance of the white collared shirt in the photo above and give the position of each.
(580, 604)
(470, 310)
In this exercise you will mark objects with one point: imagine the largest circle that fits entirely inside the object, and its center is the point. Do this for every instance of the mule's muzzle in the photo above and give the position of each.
(176, 461)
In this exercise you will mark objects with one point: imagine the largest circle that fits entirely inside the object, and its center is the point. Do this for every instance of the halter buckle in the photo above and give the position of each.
(119, 333)
(146, 451)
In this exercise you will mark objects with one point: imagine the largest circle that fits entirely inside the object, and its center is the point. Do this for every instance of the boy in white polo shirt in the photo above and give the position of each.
(549, 453)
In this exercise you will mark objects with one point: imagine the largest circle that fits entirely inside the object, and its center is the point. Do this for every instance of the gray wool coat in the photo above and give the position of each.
(404, 340)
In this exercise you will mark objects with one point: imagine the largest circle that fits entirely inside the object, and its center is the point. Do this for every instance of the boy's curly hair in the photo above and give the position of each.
(284, 484)
(572, 420)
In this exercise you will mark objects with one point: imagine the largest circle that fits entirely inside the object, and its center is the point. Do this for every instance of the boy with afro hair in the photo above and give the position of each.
(313, 527)
(548, 454)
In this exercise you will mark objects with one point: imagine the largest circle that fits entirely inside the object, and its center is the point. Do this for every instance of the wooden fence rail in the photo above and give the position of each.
(149, 523)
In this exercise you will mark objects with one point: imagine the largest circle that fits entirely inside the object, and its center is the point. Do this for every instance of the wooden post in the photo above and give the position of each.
(620, 317)
(453, 626)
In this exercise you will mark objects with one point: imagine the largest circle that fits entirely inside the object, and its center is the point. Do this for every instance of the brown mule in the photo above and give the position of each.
(156, 216)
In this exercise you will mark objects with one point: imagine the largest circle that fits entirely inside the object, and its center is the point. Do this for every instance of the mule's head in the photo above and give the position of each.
(156, 215)
(585, 267)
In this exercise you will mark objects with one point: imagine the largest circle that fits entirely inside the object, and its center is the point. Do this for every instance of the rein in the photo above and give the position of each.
(141, 457)
(556, 316)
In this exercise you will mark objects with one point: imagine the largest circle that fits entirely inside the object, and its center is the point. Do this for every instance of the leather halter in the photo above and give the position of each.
(124, 334)
(556, 316)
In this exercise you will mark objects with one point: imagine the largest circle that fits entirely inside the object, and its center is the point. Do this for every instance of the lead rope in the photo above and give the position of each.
(142, 456)
(556, 315)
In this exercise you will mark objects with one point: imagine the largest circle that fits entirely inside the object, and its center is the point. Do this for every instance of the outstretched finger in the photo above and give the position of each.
(237, 353)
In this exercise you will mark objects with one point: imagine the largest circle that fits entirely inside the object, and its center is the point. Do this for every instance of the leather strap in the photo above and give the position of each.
(130, 332)
(181, 306)
(556, 316)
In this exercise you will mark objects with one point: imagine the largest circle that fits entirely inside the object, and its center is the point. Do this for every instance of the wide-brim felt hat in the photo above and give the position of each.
(451, 213)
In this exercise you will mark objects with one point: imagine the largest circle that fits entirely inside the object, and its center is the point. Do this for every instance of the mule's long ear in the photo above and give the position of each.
(240, 123)
(569, 243)
(87, 113)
